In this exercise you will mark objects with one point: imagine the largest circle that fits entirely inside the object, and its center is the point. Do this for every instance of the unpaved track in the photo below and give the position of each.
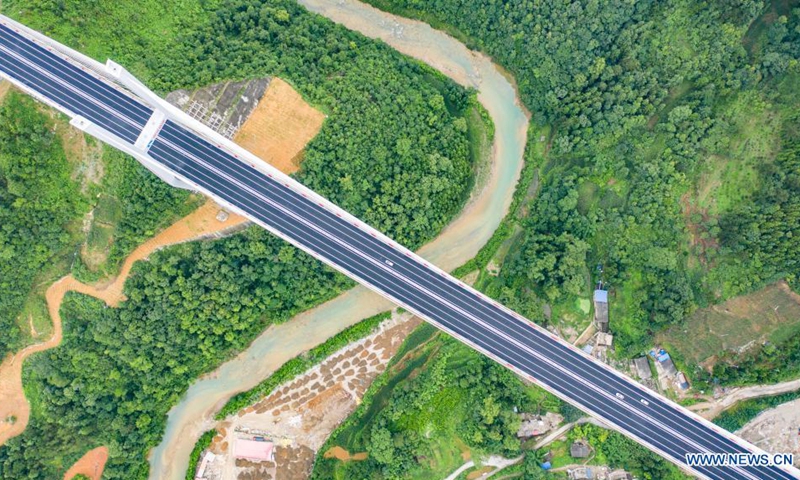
(713, 408)
(199, 224)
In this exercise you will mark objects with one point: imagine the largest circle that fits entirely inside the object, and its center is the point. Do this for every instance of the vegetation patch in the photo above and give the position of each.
(738, 325)
(740, 414)
(437, 400)
(38, 202)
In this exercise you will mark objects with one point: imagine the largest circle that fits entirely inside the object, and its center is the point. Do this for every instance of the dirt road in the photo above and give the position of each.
(713, 408)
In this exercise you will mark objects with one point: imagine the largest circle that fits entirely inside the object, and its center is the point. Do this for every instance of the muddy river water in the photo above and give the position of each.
(459, 242)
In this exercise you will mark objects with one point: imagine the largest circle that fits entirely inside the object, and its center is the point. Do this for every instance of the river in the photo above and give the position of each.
(457, 243)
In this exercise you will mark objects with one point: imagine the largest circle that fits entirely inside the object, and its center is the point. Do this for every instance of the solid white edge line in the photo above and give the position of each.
(335, 209)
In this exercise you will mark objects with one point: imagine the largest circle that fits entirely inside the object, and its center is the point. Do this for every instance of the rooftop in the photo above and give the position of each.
(253, 450)
(601, 296)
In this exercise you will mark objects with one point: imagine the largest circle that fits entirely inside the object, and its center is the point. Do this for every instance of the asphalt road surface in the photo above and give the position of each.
(378, 262)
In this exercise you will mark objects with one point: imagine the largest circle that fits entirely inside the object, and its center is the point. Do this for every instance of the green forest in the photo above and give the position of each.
(37, 201)
(670, 157)
(392, 123)
(118, 371)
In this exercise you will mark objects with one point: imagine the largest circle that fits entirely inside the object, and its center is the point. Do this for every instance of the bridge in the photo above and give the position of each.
(107, 102)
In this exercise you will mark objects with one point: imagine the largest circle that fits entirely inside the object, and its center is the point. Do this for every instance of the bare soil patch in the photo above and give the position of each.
(280, 127)
(340, 453)
(5, 87)
(776, 430)
(91, 464)
(299, 415)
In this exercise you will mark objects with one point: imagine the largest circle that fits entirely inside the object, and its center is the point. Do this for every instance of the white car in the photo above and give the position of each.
(620, 396)
(645, 402)
(389, 262)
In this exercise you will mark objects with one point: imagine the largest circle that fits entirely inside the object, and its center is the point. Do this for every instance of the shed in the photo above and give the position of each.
(601, 309)
(579, 450)
(682, 382)
(642, 367)
(253, 450)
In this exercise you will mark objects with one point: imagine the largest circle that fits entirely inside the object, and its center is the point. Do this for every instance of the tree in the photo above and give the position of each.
(381, 447)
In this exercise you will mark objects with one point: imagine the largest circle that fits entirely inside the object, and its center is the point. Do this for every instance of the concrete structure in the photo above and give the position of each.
(642, 366)
(601, 309)
(604, 339)
(188, 154)
(208, 457)
(681, 381)
(534, 425)
(620, 475)
(579, 449)
(582, 473)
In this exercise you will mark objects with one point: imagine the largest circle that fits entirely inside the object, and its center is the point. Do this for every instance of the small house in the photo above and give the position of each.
(666, 363)
(579, 449)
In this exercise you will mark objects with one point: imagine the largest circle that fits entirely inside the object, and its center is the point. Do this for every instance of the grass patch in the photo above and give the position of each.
(108, 210)
(770, 314)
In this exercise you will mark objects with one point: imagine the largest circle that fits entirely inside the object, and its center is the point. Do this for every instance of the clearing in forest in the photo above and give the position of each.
(770, 314)
(91, 464)
(280, 126)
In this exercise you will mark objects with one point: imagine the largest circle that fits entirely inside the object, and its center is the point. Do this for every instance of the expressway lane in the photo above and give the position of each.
(299, 217)
(252, 195)
(523, 335)
(77, 91)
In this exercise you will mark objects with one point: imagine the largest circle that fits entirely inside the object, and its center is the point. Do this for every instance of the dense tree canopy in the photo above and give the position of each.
(393, 150)
(118, 371)
(644, 101)
(37, 200)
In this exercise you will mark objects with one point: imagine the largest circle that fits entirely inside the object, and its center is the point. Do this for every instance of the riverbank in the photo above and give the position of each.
(458, 242)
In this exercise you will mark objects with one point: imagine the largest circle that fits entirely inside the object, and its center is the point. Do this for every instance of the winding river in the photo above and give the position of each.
(459, 242)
